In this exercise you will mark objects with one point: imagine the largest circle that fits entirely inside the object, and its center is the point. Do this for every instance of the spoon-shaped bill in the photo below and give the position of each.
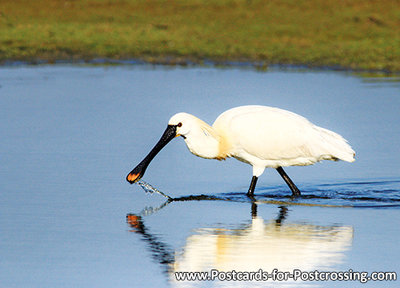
(139, 170)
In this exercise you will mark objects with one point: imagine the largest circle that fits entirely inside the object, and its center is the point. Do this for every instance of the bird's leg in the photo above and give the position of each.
(289, 182)
(253, 209)
(253, 183)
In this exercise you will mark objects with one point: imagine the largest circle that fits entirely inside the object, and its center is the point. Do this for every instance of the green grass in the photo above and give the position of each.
(355, 34)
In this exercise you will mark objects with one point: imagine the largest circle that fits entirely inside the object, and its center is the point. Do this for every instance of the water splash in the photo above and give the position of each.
(150, 189)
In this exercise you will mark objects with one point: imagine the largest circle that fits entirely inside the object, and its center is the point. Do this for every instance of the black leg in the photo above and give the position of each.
(253, 209)
(253, 183)
(289, 182)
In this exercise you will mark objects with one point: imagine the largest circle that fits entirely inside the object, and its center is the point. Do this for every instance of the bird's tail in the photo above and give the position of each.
(335, 146)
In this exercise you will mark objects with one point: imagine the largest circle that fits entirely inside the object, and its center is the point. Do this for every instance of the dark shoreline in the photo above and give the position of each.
(261, 66)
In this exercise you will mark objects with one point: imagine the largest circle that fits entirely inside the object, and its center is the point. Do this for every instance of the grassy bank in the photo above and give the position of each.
(356, 34)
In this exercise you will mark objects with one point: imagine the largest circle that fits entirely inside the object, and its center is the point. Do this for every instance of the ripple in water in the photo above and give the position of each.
(375, 194)
(363, 194)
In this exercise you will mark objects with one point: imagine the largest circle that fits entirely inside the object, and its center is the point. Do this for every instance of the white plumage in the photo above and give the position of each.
(262, 137)
(265, 245)
(271, 137)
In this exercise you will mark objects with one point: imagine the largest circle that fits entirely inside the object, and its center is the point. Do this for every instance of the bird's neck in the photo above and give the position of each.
(205, 142)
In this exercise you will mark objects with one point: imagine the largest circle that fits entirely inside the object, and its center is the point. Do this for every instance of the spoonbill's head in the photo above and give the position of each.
(184, 123)
(178, 125)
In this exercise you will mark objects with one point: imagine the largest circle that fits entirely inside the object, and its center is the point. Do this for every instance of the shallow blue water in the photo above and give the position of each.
(367, 194)
(71, 133)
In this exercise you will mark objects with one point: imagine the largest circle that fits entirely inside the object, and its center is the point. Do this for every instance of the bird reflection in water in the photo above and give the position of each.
(260, 244)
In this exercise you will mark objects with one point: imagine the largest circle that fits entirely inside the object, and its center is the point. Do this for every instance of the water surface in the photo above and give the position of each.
(71, 133)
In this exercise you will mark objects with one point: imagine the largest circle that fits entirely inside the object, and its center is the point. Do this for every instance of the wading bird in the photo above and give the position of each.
(261, 136)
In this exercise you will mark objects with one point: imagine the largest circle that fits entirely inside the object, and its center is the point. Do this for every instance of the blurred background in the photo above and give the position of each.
(357, 34)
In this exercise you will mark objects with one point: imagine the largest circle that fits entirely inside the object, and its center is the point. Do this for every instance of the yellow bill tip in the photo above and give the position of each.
(132, 177)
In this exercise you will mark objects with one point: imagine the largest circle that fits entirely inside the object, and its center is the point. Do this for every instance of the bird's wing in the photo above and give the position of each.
(272, 134)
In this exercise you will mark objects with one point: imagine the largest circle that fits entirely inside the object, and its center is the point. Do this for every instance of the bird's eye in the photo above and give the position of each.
(179, 124)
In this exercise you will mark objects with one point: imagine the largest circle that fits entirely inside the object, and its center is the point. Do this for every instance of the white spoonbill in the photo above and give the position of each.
(261, 136)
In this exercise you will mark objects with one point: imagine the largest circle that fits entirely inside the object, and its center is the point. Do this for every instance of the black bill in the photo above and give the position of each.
(139, 170)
